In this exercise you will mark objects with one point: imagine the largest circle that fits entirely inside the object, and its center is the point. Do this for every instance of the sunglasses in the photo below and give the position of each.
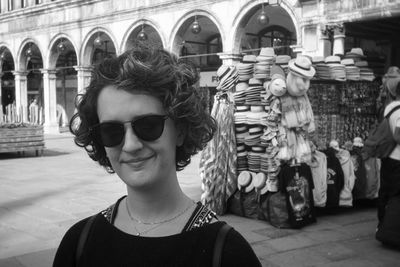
(111, 133)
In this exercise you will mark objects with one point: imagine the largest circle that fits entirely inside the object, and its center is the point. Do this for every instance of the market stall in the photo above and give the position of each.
(299, 125)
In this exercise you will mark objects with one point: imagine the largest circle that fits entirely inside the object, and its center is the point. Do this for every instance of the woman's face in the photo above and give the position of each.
(139, 163)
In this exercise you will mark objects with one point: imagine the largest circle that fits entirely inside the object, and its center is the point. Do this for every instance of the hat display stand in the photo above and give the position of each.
(261, 128)
(219, 158)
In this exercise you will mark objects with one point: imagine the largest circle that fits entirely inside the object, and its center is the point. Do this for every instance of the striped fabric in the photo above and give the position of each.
(218, 159)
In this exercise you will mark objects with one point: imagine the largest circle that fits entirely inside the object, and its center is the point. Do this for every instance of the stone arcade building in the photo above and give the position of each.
(47, 47)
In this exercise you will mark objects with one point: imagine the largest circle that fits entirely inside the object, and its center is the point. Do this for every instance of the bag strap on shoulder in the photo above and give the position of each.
(219, 244)
(391, 112)
(82, 238)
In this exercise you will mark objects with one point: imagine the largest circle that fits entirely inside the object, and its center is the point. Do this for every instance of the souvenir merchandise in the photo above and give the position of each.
(244, 202)
(246, 67)
(253, 92)
(335, 178)
(218, 170)
(265, 60)
(297, 183)
(277, 86)
(342, 110)
(319, 167)
(240, 92)
(359, 190)
(337, 71)
(227, 78)
(357, 54)
(277, 209)
(346, 196)
(352, 71)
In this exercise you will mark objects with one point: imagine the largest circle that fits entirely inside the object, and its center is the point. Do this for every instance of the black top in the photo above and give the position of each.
(109, 246)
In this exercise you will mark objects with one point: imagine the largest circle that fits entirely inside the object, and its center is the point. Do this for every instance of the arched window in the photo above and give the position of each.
(278, 37)
(214, 45)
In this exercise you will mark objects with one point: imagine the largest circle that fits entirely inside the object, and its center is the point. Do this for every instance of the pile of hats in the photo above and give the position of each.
(241, 114)
(254, 134)
(254, 158)
(357, 54)
(265, 60)
(227, 77)
(240, 92)
(241, 157)
(246, 67)
(319, 70)
(253, 92)
(256, 116)
(336, 69)
(352, 71)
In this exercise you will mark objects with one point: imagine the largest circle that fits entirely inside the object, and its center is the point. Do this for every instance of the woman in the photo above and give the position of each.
(142, 118)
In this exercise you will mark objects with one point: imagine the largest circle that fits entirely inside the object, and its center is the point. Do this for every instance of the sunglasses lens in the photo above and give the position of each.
(149, 128)
(110, 134)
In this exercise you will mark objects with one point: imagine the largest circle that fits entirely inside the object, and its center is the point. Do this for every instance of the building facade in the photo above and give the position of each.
(47, 47)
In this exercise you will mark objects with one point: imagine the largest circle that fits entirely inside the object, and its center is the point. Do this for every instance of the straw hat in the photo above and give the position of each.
(332, 60)
(356, 52)
(302, 67)
(277, 86)
(267, 52)
(245, 181)
(347, 62)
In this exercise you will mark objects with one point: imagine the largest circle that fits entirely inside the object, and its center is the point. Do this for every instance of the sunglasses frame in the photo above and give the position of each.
(96, 134)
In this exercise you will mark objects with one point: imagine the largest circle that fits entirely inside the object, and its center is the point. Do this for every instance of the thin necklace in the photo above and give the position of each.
(139, 233)
(156, 222)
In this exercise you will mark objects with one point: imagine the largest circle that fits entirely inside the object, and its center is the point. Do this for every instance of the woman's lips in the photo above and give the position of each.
(136, 160)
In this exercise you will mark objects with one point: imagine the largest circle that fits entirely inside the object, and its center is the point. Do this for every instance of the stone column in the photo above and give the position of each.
(21, 95)
(30, 2)
(50, 101)
(325, 45)
(229, 59)
(338, 39)
(84, 75)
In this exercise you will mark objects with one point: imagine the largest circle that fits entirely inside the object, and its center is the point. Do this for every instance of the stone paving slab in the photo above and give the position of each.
(41, 197)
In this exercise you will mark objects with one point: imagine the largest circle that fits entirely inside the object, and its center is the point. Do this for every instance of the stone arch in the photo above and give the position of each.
(52, 57)
(245, 14)
(135, 26)
(21, 59)
(174, 42)
(86, 49)
(4, 47)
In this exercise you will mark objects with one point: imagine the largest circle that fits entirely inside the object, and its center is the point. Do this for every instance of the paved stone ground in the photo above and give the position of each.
(41, 197)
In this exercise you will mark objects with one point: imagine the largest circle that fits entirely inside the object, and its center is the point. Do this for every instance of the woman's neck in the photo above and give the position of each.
(158, 203)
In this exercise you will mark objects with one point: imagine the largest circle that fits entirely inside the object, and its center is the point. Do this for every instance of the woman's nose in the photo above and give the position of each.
(131, 141)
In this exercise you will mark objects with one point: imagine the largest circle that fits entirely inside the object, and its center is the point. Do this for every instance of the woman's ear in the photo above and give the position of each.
(181, 134)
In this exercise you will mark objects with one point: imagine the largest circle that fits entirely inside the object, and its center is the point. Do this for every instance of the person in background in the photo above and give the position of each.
(385, 97)
(34, 111)
(390, 168)
(142, 117)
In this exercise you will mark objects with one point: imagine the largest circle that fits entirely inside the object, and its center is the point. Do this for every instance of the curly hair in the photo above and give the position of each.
(156, 72)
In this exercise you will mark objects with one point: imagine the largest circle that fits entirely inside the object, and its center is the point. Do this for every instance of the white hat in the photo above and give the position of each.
(302, 66)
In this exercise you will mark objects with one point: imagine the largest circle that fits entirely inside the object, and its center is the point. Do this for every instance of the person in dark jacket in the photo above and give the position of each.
(142, 118)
